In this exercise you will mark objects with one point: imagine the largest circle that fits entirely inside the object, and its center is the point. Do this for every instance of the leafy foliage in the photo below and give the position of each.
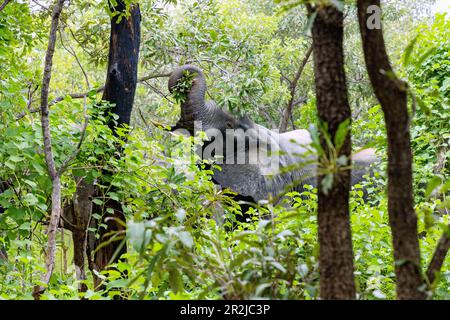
(183, 237)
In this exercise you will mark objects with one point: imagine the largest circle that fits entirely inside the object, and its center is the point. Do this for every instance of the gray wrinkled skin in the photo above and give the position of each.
(258, 180)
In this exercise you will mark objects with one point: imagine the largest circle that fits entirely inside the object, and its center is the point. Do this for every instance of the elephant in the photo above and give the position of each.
(262, 178)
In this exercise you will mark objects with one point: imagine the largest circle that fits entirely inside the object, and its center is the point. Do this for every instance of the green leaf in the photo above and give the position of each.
(25, 226)
(432, 185)
(119, 283)
(175, 280)
(379, 295)
(186, 239)
(341, 133)
(408, 50)
(16, 159)
(138, 235)
(17, 214)
(279, 266)
(213, 34)
(180, 214)
(97, 201)
(327, 183)
(96, 216)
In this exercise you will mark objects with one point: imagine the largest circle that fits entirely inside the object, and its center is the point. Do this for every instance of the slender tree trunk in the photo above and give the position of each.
(51, 167)
(336, 253)
(392, 94)
(119, 90)
(64, 251)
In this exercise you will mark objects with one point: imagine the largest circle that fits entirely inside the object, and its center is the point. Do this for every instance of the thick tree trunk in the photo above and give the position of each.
(336, 253)
(121, 78)
(119, 90)
(392, 94)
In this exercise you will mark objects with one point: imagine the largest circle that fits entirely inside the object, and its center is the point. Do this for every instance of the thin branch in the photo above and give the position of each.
(159, 92)
(85, 94)
(71, 51)
(293, 87)
(4, 4)
(42, 6)
(86, 117)
(143, 118)
(49, 159)
(439, 256)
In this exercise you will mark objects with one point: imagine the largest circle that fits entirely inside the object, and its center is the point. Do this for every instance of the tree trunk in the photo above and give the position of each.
(119, 90)
(82, 210)
(53, 172)
(121, 77)
(336, 253)
(392, 94)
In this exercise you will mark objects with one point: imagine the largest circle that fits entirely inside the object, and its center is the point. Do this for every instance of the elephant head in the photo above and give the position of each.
(195, 108)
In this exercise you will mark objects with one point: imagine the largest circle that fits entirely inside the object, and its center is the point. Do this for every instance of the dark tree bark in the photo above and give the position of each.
(392, 94)
(120, 87)
(336, 253)
(121, 78)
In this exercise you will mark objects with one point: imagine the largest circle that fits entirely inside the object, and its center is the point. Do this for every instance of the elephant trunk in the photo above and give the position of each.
(193, 107)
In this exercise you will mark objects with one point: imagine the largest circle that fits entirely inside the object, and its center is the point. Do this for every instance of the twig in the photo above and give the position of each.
(156, 90)
(42, 6)
(70, 50)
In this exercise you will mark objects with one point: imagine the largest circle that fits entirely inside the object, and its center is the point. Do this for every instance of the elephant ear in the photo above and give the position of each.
(258, 181)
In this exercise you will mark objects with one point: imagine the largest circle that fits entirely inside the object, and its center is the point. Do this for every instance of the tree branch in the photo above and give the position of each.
(293, 87)
(4, 4)
(85, 94)
(439, 256)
